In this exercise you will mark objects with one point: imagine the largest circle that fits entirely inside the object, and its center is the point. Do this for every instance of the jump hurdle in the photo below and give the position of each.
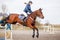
(8, 32)
(48, 28)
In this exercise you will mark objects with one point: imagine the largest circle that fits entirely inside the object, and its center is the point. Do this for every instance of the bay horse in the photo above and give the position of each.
(30, 21)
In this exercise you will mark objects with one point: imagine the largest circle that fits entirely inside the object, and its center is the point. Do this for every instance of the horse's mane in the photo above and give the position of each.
(33, 12)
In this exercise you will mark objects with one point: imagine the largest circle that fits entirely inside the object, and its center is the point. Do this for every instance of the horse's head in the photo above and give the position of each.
(39, 13)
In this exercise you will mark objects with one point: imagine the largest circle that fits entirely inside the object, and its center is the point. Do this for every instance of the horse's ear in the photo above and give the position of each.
(40, 9)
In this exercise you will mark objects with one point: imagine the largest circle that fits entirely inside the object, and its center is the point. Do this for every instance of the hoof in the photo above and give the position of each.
(37, 36)
(33, 36)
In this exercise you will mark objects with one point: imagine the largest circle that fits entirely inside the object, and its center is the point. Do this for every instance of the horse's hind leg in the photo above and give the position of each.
(33, 33)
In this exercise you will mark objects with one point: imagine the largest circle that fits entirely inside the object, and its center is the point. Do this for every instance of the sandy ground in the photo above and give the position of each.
(27, 35)
(2, 34)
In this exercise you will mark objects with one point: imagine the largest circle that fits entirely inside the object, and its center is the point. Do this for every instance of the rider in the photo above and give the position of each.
(27, 9)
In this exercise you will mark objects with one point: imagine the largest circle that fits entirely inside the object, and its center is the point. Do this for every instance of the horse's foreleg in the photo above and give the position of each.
(29, 25)
(37, 33)
(33, 33)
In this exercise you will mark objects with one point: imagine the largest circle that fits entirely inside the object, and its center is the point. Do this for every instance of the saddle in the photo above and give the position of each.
(22, 17)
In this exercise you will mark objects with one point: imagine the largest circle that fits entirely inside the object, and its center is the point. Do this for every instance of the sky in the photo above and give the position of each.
(51, 8)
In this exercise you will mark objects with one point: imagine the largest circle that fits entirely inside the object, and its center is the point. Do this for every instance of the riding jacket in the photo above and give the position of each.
(28, 9)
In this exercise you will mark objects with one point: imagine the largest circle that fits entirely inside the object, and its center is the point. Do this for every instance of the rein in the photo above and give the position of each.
(32, 16)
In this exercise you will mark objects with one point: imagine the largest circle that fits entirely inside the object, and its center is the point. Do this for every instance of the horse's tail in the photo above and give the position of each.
(8, 17)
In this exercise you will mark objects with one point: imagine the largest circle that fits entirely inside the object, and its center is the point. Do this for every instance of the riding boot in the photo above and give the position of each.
(24, 19)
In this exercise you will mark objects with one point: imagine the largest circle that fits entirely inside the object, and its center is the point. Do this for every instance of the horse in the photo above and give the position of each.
(30, 20)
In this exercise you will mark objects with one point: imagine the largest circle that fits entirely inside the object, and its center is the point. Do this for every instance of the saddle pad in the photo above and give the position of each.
(21, 17)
